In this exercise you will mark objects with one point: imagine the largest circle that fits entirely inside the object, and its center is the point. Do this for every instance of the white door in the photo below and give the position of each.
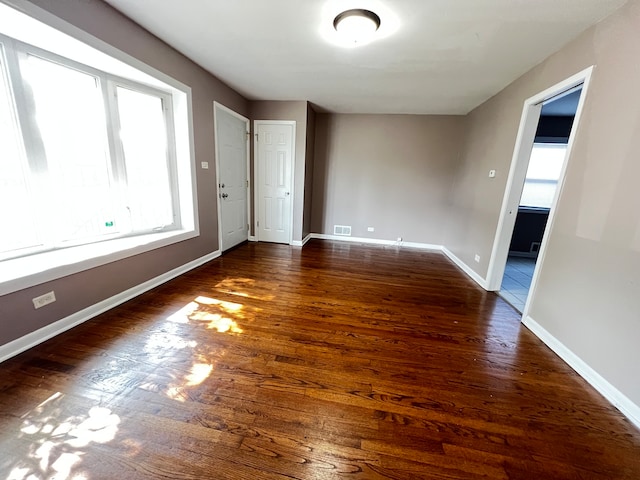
(231, 148)
(275, 177)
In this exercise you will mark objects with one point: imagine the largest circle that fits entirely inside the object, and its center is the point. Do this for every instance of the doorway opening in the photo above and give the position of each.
(547, 158)
(543, 147)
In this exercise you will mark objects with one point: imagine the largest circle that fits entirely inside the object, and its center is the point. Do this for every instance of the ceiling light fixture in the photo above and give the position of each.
(357, 25)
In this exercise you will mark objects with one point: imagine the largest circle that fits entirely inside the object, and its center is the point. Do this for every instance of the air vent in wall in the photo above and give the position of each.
(342, 230)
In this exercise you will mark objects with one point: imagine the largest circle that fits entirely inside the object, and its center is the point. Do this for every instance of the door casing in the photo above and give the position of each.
(517, 173)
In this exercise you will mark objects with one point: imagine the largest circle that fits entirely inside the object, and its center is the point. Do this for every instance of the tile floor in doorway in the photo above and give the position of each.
(517, 280)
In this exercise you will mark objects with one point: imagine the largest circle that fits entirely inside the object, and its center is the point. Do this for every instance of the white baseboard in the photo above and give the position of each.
(421, 246)
(375, 241)
(424, 246)
(253, 238)
(608, 391)
(298, 243)
(465, 268)
(32, 339)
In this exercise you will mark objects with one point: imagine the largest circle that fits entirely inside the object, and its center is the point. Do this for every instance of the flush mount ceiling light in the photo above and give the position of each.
(357, 25)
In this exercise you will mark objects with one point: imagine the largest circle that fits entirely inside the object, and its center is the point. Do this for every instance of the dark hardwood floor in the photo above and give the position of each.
(332, 361)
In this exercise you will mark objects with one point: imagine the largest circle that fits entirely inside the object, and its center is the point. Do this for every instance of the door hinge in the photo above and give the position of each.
(247, 183)
(258, 223)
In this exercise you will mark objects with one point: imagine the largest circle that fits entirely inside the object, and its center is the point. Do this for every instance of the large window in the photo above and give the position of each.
(85, 156)
(16, 202)
(545, 166)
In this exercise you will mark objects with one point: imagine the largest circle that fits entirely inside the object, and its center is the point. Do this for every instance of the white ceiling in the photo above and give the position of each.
(431, 56)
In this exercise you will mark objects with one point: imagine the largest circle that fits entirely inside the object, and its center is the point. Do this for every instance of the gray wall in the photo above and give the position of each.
(76, 292)
(390, 172)
(589, 290)
(287, 110)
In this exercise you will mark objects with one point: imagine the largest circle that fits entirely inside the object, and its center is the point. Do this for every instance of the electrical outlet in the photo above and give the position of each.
(477, 258)
(43, 300)
(399, 239)
(492, 174)
(371, 229)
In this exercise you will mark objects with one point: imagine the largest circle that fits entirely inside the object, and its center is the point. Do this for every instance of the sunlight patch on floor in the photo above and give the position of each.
(198, 374)
(227, 306)
(217, 322)
(217, 313)
(241, 287)
(58, 445)
(182, 315)
(165, 343)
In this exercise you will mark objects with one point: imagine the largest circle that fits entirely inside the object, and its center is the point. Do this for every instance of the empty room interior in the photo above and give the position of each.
(244, 240)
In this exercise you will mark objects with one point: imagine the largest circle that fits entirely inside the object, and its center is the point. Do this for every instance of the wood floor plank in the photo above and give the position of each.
(328, 362)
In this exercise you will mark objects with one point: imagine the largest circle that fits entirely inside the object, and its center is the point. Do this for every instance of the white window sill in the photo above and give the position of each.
(19, 273)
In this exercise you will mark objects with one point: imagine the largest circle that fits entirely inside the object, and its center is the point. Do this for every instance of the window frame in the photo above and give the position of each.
(40, 28)
(14, 52)
(113, 82)
(5, 71)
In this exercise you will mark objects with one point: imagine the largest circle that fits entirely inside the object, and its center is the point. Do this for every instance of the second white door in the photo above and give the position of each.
(275, 178)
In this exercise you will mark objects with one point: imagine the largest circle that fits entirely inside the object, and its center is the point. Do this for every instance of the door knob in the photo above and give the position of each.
(225, 195)
(286, 193)
(221, 185)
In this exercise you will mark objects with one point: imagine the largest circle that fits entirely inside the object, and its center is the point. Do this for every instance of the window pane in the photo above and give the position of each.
(543, 173)
(16, 214)
(71, 122)
(144, 140)
(538, 194)
(546, 161)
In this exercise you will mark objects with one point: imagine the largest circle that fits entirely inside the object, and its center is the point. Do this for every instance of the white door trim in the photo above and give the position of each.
(218, 106)
(256, 207)
(513, 190)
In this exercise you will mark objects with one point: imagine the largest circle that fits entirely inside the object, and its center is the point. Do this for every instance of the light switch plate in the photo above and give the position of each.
(492, 174)
(204, 165)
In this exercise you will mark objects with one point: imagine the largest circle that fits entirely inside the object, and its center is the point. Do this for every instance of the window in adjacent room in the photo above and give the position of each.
(543, 173)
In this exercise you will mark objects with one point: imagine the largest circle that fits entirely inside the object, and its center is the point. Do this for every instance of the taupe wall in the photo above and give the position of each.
(589, 290)
(296, 111)
(390, 172)
(75, 292)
